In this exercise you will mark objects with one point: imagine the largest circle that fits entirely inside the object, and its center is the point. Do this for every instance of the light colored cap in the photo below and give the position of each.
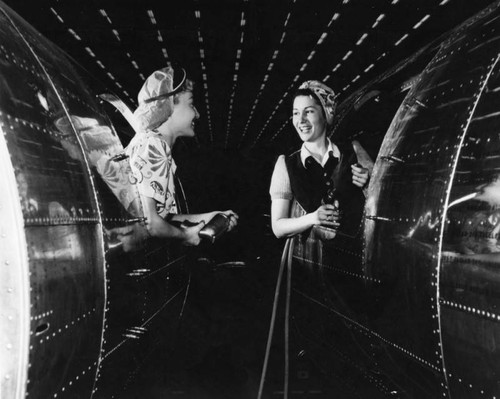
(150, 115)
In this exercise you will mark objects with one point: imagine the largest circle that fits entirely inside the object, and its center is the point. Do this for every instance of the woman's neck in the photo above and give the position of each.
(167, 134)
(317, 148)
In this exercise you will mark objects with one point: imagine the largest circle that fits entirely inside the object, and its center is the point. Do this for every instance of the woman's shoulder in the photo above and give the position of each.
(154, 137)
(284, 157)
(280, 163)
(147, 143)
(150, 139)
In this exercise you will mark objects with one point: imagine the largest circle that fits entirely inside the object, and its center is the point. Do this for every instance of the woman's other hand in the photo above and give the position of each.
(363, 169)
(360, 175)
(233, 219)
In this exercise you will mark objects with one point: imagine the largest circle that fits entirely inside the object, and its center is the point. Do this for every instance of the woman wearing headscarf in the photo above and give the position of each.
(309, 186)
(316, 192)
(164, 114)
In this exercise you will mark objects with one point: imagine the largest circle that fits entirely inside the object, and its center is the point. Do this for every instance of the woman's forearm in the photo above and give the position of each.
(156, 225)
(159, 228)
(194, 218)
(287, 227)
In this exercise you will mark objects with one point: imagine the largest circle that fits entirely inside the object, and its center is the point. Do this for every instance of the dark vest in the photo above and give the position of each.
(309, 185)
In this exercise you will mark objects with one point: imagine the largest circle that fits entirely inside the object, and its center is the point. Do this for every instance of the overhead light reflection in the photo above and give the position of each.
(419, 23)
(404, 37)
(361, 39)
(152, 17)
(347, 55)
(377, 21)
(75, 35)
(57, 15)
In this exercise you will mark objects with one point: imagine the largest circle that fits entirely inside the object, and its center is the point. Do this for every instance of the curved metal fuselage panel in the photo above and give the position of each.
(409, 309)
(14, 303)
(427, 204)
(62, 238)
(83, 286)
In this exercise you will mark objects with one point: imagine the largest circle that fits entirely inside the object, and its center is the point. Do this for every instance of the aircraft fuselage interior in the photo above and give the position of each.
(399, 300)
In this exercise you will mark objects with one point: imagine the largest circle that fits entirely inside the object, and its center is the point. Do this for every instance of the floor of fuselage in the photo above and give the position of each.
(219, 352)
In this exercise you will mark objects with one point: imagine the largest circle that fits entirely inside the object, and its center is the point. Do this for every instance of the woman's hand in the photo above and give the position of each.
(360, 175)
(233, 219)
(328, 215)
(361, 171)
(191, 234)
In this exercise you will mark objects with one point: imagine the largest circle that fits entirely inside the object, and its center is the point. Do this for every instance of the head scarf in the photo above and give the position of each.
(150, 115)
(325, 95)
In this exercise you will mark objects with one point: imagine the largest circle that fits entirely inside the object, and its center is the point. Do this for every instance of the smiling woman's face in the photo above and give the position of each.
(308, 119)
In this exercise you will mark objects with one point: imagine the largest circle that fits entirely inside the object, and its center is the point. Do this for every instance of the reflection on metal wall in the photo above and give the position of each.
(416, 181)
(61, 227)
(470, 258)
(14, 301)
(414, 313)
(86, 295)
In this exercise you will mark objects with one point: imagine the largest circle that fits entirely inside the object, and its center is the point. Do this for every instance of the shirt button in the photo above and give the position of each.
(328, 183)
(325, 174)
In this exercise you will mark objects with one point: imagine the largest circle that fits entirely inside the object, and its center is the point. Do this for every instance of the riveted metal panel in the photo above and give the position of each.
(74, 189)
(14, 284)
(406, 213)
(63, 238)
(469, 259)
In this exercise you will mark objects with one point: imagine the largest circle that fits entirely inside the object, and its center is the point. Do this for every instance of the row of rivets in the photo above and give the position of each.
(345, 272)
(78, 99)
(461, 381)
(165, 266)
(70, 383)
(34, 126)
(26, 123)
(66, 327)
(20, 62)
(50, 221)
(394, 345)
(346, 251)
(10, 317)
(470, 309)
(41, 316)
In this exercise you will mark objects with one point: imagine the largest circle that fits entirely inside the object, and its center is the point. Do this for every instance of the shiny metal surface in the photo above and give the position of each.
(61, 226)
(409, 308)
(469, 255)
(430, 136)
(83, 286)
(14, 301)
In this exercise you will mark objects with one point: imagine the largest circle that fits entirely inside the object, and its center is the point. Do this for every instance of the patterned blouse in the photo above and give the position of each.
(153, 170)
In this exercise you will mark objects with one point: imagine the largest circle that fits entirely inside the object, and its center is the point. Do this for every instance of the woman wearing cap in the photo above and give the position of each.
(165, 113)
(302, 181)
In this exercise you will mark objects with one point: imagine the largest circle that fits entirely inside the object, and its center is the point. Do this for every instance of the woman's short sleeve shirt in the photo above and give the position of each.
(153, 170)
(280, 182)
